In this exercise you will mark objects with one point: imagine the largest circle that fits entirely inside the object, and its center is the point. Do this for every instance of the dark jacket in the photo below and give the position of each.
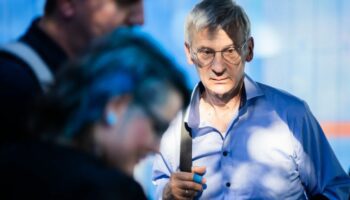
(18, 83)
(42, 170)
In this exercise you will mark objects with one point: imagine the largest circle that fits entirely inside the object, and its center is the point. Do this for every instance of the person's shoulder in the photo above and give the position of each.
(97, 179)
(279, 94)
(47, 165)
(16, 74)
(9, 61)
(282, 99)
(110, 183)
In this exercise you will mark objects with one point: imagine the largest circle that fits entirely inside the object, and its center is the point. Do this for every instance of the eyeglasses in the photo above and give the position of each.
(159, 125)
(205, 56)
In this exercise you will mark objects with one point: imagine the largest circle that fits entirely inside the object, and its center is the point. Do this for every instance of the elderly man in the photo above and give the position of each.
(249, 140)
(27, 67)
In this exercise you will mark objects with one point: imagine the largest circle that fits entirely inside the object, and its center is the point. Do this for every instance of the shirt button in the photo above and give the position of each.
(225, 153)
(228, 184)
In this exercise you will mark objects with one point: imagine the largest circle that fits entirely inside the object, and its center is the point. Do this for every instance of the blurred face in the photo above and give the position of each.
(97, 17)
(219, 61)
(137, 134)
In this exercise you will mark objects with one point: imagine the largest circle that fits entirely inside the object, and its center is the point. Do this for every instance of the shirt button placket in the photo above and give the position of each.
(226, 167)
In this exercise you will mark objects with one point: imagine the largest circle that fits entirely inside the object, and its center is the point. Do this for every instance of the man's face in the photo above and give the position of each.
(219, 77)
(137, 134)
(98, 17)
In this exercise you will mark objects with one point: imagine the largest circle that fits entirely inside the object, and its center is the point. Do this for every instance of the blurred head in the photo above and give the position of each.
(218, 42)
(86, 20)
(116, 101)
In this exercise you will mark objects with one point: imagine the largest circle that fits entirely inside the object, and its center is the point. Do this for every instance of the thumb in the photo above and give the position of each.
(199, 170)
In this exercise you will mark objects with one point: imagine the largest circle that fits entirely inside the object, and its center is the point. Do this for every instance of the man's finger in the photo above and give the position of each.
(198, 175)
(199, 170)
(197, 178)
(183, 176)
(190, 185)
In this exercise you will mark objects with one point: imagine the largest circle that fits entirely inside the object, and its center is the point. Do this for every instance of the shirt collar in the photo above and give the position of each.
(252, 90)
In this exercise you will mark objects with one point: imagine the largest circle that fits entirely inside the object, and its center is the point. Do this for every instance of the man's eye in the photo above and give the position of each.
(205, 51)
(230, 50)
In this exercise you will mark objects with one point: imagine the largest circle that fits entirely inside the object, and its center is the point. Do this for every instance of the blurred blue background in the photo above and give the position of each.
(300, 46)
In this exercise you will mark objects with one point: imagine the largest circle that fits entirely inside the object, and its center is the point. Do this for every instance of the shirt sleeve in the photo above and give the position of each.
(320, 170)
(167, 160)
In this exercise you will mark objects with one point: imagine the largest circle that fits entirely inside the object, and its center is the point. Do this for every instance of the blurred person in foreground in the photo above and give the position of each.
(28, 66)
(249, 140)
(105, 112)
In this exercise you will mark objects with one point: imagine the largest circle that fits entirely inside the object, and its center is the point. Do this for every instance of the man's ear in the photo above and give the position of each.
(117, 106)
(66, 8)
(250, 49)
(188, 54)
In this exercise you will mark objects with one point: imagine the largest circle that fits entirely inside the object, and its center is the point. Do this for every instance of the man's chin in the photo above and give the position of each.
(220, 91)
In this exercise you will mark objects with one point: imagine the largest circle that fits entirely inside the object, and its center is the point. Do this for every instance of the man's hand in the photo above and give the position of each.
(182, 186)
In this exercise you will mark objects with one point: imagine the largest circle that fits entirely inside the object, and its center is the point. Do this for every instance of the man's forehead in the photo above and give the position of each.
(208, 36)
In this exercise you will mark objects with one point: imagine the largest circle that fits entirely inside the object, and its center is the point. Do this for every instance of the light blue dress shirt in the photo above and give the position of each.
(273, 149)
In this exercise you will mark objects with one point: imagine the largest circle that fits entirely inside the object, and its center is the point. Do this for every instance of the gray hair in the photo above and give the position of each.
(212, 14)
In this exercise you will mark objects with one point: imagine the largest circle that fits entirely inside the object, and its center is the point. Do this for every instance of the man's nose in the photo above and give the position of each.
(218, 64)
